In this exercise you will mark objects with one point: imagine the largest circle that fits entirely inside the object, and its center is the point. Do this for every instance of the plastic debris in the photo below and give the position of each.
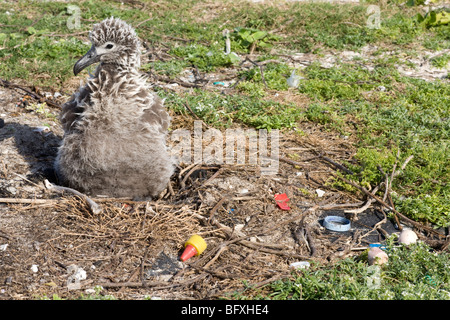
(407, 236)
(335, 223)
(34, 268)
(193, 247)
(293, 81)
(76, 273)
(320, 193)
(226, 34)
(282, 200)
(377, 256)
(3, 247)
(219, 83)
(300, 265)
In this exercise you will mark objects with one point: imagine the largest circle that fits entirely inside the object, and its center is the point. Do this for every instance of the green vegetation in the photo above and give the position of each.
(412, 273)
(385, 112)
(222, 111)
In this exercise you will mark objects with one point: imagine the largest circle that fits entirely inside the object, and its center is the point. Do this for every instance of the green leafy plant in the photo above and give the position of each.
(434, 18)
(441, 61)
(205, 58)
(250, 39)
(412, 273)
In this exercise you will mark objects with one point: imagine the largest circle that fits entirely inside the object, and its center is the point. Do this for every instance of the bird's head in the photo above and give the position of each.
(113, 41)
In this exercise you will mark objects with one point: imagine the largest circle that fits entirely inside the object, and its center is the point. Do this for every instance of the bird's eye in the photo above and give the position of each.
(109, 46)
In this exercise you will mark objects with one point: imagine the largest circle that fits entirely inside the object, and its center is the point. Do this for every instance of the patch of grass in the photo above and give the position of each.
(441, 61)
(169, 68)
(409, 115)
(203, 57)
(275, 76)
(413, 273)
(222, 111)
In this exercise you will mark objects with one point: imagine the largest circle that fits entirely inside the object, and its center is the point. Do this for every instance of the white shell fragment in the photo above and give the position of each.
(407, 236)
(34, 268)
(377, 256)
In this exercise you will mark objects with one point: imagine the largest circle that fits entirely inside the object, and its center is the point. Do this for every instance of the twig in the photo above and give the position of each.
(259, 65)
(189, 167)
(132, 284)
(214, 209)
(181, 83)
(212, 177)
(362, 209)
(38, 97)
(191, 111)
(270, 280)
(416, 224)
(337, 165)
(95, 208)
(222, 248)
(183, 182)
(29, 201)
(342, 205)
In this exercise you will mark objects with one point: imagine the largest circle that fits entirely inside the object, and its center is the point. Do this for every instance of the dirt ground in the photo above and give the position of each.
(51, 243)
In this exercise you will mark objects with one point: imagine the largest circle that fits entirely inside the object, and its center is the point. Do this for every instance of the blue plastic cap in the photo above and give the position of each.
(335, 223)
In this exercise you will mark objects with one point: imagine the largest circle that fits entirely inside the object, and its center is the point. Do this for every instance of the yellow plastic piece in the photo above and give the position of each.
(197, 242)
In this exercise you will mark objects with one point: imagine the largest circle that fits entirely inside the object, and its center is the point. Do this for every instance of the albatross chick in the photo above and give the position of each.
(114, 127)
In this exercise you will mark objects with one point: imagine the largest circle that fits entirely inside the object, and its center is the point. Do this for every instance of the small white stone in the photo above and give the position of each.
(34, 268)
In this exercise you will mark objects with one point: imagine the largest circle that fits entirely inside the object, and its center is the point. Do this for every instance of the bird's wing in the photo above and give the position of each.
(156, 115)
(72, 109)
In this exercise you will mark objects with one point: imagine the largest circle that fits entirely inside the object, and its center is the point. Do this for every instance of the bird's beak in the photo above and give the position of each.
(89, 58)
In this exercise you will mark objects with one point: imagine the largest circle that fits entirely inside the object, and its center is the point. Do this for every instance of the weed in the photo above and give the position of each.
(205, 58)
(441, 61)
(412, 272)
(222, 111)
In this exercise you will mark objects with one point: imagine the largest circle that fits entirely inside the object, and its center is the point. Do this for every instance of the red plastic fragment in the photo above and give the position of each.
(282, 200)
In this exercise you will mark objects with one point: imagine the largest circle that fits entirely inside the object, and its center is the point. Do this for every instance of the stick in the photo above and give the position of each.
(362, 209)
(416, 224)
(183, 182)
(8, 84)
(95, 208)
(212, 177)
(132, 284)
(337, 165)
(214, 209)
(28, 201)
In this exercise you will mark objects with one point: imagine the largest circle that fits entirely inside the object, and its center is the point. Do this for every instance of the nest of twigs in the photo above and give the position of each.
(132, 248)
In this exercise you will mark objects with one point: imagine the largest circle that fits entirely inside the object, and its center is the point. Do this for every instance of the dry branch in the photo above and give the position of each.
(95, 208)
(414, 223)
